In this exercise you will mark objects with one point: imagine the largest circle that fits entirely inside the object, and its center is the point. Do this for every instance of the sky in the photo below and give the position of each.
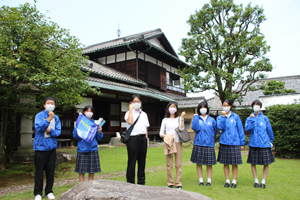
(96, 21)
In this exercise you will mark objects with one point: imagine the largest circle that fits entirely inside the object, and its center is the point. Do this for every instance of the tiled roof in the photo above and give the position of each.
(189, 102)
(111, 73)
(122, 41)
(214, 103)
(291, 82)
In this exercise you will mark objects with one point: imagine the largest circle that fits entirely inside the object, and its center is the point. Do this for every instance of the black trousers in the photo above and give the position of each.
(44, 161)
(137, 151)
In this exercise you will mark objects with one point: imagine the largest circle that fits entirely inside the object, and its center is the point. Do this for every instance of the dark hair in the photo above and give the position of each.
(135, 95)
(200, 105)
(256, 102)
(167, 113)
(87, 107)
(49, 98)
(227, 101)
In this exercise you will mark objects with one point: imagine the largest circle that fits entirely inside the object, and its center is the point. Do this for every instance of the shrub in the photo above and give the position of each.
(285, 121)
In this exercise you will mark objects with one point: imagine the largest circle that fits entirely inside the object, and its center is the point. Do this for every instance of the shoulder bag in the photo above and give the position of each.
(126, 134)
(184, 136)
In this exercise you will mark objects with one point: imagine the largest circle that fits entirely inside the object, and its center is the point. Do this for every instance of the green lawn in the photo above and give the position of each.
(282, 183)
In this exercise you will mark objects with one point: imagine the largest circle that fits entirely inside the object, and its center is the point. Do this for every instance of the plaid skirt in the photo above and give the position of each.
(260, 156)
(230, 155)
(88, 162)
(203, 155)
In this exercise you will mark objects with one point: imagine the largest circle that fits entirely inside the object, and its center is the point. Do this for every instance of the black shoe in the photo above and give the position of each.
(263, 186)
(233, 185)
(201, 184)
(208, 184)
(256, 185)
(170, 186)
(179, 187)
(227, 185)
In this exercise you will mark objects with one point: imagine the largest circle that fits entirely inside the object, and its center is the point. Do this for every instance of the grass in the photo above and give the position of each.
(282, 183)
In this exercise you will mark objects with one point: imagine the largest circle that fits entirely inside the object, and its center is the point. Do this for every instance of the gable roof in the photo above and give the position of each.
(291, 82)
(147, 35)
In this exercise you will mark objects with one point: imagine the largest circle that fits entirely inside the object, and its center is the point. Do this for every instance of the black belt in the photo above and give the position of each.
(138, 135)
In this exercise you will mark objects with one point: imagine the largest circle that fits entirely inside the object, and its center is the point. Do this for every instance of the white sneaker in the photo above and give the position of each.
(50, 196)
(38, 197)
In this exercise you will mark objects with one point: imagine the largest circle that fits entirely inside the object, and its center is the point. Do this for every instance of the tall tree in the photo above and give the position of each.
(276, 87)
(225, 47)
(36, 54)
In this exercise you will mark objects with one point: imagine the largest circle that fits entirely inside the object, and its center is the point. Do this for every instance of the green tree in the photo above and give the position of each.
(225, 47)
(36, 54)
(276, 87)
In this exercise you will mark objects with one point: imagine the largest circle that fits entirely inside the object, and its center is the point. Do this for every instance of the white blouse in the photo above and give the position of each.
(169, 125)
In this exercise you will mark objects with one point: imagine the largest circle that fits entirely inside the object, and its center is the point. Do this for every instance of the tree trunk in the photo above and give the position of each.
(3, 131)
(12, 140)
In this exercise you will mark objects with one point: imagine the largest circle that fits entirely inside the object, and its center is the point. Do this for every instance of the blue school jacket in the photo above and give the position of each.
(85, 147)
(205, 131)
(261, 133)
(232, 132)
(41, 124)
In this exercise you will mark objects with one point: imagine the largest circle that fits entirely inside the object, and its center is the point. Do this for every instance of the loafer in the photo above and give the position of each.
(233, 185)
(263, 186)
(201, 184)
(256, 185)
(227, 185)
(208, 184)
(170, 186)
(179, 187)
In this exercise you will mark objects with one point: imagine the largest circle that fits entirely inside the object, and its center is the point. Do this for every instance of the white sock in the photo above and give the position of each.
(227, 181)
(263, 181)
(200, 180)
(256, 180)
(233, 181)
(209, 180)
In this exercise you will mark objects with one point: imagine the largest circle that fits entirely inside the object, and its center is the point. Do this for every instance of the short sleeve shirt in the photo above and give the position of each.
(141, 126)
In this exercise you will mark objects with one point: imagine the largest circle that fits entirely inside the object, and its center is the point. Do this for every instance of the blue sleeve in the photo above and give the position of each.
(215, 127)
(269, 130)
(195, 123)
(57, 131)
(99, 136)
(240, 131)
(221, 122)
(75, 133)
(249, 125)
(40, 123)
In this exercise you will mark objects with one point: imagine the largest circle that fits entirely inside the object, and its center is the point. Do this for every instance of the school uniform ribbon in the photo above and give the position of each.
(86, 129)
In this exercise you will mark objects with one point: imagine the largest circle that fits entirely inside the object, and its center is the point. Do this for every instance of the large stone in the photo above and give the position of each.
(107, 189)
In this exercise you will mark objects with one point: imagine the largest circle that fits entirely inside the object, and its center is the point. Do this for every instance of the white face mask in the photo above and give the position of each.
(203, 111)
(256, 108)
(89, 115)
(136, 105)
(226, 109)
(49, 107)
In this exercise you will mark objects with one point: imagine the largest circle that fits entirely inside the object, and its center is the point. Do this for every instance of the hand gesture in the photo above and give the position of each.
(182, 114)
(242, 148)
(252, 115)
(48, 130)
(131, 106)
(51, 116)
(99, 129)
(223, 113)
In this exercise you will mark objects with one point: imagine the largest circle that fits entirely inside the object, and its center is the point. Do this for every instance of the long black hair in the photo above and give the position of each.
(167, 113)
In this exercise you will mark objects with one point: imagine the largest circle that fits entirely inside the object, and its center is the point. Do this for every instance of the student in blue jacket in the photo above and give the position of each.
(203, 153)
(87, 153)
(47, 128)
(260, 143)
(232, 141)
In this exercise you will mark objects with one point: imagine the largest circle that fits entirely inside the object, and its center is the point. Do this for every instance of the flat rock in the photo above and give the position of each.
(108, 189)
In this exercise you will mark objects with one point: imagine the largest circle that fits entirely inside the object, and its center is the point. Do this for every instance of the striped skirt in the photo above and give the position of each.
(203, 155)
(88, 162)
(230, 155)
(260, 156)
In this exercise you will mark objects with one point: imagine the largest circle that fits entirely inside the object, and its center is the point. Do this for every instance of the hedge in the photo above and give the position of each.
(285, 121)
